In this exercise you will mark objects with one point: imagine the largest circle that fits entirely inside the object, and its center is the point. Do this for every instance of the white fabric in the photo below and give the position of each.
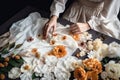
(31, 27)
(104, 19)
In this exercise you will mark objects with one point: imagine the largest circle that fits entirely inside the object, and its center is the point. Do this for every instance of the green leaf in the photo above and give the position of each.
(12, 45)
(18, 46)
(5, 51)
(20, 60)
(3, 70)
(34, 76)
(14, 63)
(9, 67)
(105, 60)
(1, 59)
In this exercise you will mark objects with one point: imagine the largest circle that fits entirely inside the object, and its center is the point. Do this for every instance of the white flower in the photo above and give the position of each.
(51, 60)
(113, 70)
(48, 76)
(61, 74)
(68, 63)
(101, 50)
(85, 36)
(95, 54)
(38, 70)
(14, 73)
(47, 69)
(104, 75)
(26, 68)
(26, 76)
(113, 50)
(97, 43)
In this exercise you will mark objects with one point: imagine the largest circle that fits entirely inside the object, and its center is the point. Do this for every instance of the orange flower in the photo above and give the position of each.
(52, 42)
(29, 39)
(26, 67)
(1, 65)
(59, 51)
(64, 37)
(5, 63)
(75, 36)
(34, 50)
(93, 64)
(2, 76)
(92, 75)
(7, 59)
(37, 55)
(80, 73)
(17, 57)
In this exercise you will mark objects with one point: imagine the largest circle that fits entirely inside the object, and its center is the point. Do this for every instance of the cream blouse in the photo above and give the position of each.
(101, 15)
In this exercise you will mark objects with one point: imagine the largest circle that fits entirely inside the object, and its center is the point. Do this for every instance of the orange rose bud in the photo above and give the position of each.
(5, 63)
(64, 37)
(2, 76)
(17, 57)
(1, 65)
(6, 59)
(34, 50)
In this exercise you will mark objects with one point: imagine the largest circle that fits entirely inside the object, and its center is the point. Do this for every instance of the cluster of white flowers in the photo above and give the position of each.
(113, 50)
(98, 49)
(50, 69)
(14, 73)
(111, 71)
(85, 36)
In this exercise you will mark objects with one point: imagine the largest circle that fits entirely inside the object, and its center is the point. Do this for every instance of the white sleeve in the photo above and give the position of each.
(107, 23)
(57, 7)
(106, 26)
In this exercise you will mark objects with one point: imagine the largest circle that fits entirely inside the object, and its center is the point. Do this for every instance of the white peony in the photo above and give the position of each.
(113, 50)
(61, 74)
(68, 63)
(51, 60)
(113, 70)
(27, 68)
(14, 73)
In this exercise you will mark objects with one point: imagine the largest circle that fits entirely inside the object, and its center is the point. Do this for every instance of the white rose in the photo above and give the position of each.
(14, 73)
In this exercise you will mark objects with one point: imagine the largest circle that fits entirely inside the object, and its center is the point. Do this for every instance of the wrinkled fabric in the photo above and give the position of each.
(32, 26)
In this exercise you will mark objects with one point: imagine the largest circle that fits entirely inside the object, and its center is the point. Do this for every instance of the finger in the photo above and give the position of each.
(54, 28)
(44, 30)
(48, 28)
(76, 30)
(77, 33)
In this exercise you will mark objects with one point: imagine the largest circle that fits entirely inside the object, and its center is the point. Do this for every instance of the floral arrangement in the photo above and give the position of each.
(30, 57)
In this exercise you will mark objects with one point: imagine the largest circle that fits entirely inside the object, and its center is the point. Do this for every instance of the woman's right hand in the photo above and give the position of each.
(50, 26)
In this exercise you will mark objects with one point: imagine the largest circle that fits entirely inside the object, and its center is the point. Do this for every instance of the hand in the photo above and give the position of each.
(78, 28)
(50, 25)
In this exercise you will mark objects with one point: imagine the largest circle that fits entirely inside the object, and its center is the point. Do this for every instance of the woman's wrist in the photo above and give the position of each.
(87, 26)
(54, 17)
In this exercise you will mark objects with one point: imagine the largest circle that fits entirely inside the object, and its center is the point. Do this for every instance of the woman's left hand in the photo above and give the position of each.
(78, 28)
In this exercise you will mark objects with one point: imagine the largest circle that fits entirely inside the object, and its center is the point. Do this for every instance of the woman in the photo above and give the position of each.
(100, 15)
